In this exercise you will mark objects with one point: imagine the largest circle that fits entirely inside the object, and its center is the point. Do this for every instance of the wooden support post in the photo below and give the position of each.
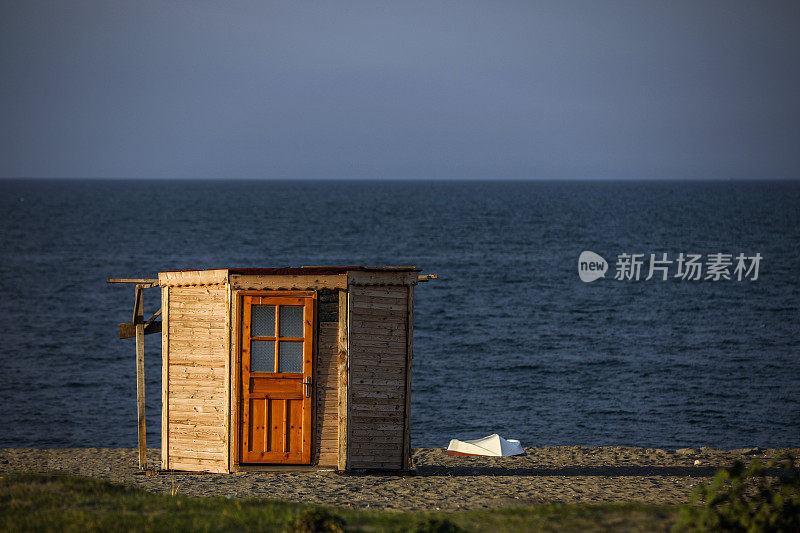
(138, 320)
(409, 358)
(228, 374)
(235, 383)
(165, 379)
(343, 462)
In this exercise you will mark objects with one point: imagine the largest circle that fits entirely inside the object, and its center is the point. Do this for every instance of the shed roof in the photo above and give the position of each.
(286, 278)
(310, 270)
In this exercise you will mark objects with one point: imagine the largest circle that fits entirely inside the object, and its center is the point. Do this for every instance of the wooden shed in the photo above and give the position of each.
(263, 367)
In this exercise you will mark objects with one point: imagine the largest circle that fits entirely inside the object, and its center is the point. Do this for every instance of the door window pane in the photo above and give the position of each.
(291, 321)
(262, 323)
(262, 356)
(290, 356)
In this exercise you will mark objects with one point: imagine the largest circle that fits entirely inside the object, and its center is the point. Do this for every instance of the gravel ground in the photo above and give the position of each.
(542, 475)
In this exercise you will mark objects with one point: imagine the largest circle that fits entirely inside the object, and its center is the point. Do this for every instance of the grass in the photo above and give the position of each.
(55, 502)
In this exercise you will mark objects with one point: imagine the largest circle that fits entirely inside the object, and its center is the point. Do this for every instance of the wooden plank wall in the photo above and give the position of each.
(326, 444)
(197, 358)
(378, 350)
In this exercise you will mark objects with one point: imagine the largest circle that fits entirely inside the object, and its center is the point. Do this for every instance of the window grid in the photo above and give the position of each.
(286, 357)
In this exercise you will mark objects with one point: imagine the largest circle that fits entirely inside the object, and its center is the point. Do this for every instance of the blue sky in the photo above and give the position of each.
(479, 90)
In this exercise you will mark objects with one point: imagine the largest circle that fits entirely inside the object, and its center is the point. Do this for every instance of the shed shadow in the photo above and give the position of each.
(568, 471)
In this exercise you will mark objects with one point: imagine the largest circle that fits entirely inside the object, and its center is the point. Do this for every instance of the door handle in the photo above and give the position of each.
(307, 386)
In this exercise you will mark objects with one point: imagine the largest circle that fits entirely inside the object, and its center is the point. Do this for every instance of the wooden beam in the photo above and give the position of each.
(288, 282)
(127, 330)
(138, 281)
(138, 319)
(402, 277)
(152, 318)
(138, 306)
(194, 277)
(343, 462)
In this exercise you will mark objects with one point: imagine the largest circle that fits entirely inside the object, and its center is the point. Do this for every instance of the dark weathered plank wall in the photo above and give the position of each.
(378, 346)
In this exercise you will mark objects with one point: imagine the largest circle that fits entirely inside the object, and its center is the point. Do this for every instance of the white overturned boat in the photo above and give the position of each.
(492, 446)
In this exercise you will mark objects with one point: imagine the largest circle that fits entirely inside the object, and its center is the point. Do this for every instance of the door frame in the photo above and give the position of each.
(237, 426)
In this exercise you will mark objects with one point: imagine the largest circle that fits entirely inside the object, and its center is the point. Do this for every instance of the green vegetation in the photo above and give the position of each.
(53, 502)
(743, 499)
(316, 519)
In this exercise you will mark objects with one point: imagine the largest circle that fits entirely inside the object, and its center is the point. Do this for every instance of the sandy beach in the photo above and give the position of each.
(543, 475)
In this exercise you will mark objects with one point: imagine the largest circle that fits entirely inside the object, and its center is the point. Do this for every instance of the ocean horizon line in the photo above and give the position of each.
(402, 180)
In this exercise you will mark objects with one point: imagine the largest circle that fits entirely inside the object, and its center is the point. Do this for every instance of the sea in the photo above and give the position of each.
(508, 339)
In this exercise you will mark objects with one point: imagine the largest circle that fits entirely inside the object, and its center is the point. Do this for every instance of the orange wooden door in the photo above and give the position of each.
(277, 335)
